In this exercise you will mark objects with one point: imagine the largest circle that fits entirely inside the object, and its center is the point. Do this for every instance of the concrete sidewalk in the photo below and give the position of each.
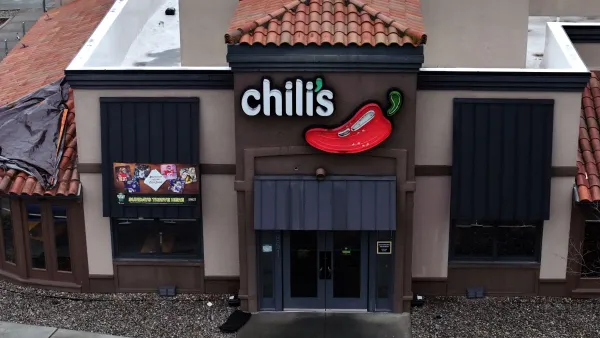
(11, 330)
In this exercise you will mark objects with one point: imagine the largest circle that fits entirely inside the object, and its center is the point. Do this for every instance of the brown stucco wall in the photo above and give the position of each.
(283, 138)
(350, 90)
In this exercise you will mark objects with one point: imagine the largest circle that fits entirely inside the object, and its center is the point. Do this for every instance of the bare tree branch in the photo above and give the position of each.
(586, 261)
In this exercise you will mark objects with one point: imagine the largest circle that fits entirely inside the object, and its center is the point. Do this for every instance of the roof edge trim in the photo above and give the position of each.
(150, 79)
(513, 81)
(301, 58)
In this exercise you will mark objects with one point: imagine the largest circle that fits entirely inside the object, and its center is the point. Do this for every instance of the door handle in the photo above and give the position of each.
(328, 264)
(322, 263)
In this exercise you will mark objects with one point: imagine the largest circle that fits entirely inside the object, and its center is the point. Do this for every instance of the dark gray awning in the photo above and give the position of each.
(336, 203)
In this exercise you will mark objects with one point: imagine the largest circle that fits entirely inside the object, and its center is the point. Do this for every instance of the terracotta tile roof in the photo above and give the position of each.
(15, 182)
(588, 157)
(327, 22)
(51, 45)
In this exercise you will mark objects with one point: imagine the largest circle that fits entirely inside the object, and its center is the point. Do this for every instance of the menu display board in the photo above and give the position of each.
(142, 184)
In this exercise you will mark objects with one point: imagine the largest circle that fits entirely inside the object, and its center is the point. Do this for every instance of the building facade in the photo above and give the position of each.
(320, 155)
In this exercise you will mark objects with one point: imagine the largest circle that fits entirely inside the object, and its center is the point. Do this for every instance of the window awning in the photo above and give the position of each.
(336, 203)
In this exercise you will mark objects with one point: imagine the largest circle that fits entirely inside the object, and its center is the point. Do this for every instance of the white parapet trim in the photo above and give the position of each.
(115, 34)
(559, 52)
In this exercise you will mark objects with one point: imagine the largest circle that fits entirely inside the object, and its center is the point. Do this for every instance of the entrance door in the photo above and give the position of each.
(325, 270)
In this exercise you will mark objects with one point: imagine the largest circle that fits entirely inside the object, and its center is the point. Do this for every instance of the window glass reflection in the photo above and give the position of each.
(36, 236)
(61, 238)
(590, 251)
(175, 238)
(7, 231)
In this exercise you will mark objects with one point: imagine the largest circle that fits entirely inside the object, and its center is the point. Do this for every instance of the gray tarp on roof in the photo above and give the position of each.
(29, 132)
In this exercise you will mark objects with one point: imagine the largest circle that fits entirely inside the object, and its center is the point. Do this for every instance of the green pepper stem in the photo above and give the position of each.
(395, 102)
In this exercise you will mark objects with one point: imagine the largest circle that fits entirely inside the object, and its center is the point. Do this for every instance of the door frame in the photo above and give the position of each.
(243, 185)
(278, 242)
(380, 304)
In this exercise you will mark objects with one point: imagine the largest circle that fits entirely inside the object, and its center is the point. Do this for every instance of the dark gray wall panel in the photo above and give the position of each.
(337, 203)
(502, 160)
(150, 130)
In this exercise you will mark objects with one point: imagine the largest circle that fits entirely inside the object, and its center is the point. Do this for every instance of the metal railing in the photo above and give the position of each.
(23, 27)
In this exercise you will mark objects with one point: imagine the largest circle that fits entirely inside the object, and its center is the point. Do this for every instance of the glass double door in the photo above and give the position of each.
(325, 270)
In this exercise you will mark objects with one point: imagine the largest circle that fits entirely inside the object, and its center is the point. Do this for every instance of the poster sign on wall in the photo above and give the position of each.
(139, 184)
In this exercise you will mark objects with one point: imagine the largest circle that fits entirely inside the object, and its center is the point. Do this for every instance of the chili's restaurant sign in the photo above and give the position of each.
(139, 184)
(365, 129)
(299, 98)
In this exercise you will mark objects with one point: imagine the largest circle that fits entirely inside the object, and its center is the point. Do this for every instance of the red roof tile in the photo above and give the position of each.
(588, 156)
(327, 22)
(51, 45)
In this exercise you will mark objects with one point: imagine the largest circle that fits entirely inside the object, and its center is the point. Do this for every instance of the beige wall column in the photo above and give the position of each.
(564, 8)
(97, 227)
(203, 24)
(431, 227)
(219, 205)
(475, 33)
(556, 230)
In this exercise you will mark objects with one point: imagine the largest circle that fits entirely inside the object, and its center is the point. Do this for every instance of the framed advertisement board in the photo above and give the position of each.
(140, 184)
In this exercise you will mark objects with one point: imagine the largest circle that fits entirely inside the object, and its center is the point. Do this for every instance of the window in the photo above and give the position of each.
(61, 238)
(36, 236)
(164, 238)
(590, 251)
(7, 231)
(495, 242)
(44, 236)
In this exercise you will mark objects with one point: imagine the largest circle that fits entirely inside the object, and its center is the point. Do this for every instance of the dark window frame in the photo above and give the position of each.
(536, 258)
(51, 271)
(4, 263)
(23, 267)
(157, 256)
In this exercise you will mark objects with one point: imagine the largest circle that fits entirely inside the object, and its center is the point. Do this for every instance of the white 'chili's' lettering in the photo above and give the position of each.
(303, 100)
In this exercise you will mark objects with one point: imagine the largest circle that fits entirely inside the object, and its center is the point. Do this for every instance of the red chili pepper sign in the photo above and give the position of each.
(365, 130)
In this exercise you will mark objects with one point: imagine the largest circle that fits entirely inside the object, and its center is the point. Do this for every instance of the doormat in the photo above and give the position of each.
(235, 321)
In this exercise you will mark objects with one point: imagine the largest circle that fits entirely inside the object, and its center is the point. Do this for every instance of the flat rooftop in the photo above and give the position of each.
(536, 40)
(157, 44)
(138, 33)
(134, 33)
